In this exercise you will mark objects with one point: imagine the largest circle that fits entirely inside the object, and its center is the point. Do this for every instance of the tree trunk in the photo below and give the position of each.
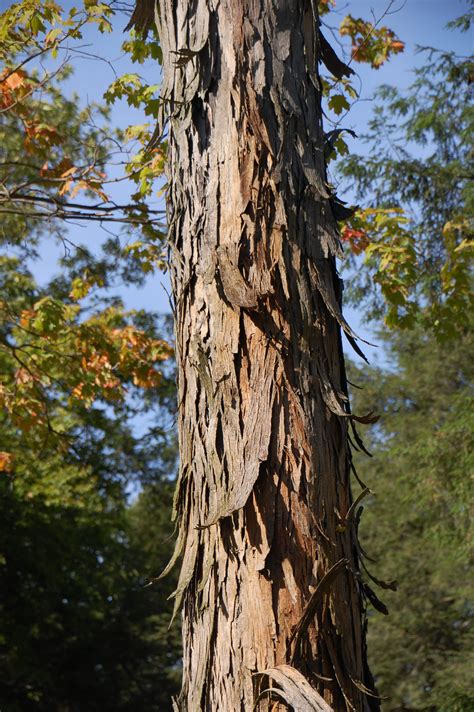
(269, 581)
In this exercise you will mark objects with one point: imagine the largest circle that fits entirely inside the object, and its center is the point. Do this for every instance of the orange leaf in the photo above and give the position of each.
(22, 376)
(357, 239)
(69, 171)
(81, 184)
(6, 461)
(66, 187)
(15, 80)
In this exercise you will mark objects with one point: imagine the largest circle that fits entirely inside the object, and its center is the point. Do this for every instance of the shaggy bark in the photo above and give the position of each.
(272, 599)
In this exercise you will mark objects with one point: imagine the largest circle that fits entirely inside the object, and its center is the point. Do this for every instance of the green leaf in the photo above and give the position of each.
(338, 103)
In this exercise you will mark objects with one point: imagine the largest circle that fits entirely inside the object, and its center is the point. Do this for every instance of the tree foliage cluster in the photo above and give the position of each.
(415, 179)
(80, 629)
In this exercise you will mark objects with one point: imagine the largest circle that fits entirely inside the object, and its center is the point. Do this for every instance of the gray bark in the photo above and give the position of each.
(269, 581)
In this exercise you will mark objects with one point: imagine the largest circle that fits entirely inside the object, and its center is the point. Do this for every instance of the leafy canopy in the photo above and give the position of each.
(86, 393)
(415, 234)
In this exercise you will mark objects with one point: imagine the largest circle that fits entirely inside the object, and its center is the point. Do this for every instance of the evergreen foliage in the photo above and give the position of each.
(418, 527)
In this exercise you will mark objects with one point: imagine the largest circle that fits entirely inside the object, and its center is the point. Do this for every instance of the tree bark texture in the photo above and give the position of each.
(273, 604)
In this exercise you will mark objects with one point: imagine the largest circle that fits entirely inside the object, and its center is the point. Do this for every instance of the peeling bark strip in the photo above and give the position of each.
(263, 418)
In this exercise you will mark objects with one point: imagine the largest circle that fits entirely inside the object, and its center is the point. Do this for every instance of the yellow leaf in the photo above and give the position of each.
(464, 245)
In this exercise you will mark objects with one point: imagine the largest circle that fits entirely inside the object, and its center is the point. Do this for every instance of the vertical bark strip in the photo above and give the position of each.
(269, 577)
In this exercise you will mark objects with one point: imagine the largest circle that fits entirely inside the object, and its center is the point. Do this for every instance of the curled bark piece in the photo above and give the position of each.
(142, 18)
(375, 600)
(295, 690)
(236, 289)
(340, 209)
(331, 60)
(310, 609)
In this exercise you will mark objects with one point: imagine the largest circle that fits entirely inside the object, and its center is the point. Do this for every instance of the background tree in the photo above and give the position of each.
(79, 628)
(418, 162)
(422, 457)
(59, 177)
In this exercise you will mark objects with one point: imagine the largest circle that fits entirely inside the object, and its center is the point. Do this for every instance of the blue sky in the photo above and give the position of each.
(416, 22)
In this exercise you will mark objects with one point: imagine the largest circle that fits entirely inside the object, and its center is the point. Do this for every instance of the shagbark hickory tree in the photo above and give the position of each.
(273, 603)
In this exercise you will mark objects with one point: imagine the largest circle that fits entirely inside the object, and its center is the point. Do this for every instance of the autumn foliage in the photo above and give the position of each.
(370, 44)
